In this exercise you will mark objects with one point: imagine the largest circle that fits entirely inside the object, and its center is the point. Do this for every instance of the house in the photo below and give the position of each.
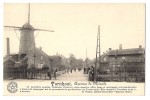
(8, 66)
(123, 64)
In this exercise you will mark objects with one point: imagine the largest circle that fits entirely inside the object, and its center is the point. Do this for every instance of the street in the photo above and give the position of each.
(74, 76)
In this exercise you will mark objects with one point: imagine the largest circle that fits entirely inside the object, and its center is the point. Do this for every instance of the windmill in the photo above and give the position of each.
(27, 40)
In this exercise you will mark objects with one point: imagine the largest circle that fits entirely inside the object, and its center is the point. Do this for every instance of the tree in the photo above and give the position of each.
(79, 63)
(56, 62)
(73, 61)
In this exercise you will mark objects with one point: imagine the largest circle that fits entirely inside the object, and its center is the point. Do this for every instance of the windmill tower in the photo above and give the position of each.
(27, 41)
(98, 59)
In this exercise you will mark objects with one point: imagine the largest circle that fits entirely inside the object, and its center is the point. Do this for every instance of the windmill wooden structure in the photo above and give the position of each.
(27, 39)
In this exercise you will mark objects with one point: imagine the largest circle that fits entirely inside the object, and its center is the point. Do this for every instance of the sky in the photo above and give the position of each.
(76, 27)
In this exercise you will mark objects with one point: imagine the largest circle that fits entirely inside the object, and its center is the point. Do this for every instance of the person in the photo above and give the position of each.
(49, 75)
(84, 70)
(71, 70)
(92, 73)
(55, 74)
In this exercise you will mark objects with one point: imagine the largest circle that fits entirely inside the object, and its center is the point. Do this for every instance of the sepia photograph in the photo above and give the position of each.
(74, 49)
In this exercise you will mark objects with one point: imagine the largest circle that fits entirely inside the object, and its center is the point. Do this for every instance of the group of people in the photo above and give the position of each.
(54, 73)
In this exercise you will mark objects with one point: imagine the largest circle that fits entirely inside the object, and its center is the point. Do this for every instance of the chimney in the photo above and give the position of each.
(8, 47)
(140, 46)
(120, 46)
(109, 49)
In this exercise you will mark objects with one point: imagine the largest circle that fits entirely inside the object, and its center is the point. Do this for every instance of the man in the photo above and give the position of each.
(55, 74)
(92, 73)
(49, 75)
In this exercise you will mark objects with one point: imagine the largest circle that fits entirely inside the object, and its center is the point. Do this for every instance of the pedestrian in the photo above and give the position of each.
(89, 73)
(71, 70)
(92, 73)
(49, 75)
(84, 70)
(55, 74)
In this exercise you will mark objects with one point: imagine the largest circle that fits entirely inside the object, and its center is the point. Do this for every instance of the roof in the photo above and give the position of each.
(132, 51)
(38, 51)
(41, 52)
(27, 26)
(9, 60)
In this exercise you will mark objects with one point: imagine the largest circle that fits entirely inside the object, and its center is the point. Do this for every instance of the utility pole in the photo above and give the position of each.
(86, 65)
(98, 59)
(86, 57)
(8, 48)
(34, 55)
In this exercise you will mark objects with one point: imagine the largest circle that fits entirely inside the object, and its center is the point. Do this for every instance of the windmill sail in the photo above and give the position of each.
(13, 27)
(29, 14)
(43, 30)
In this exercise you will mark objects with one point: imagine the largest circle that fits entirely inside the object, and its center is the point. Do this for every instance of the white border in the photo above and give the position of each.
(74, 1)
(147, 83)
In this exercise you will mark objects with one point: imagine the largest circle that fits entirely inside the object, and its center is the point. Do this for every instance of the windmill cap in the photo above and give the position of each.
(27, 26)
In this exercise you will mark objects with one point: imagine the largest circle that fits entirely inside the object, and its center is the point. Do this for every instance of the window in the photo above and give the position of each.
(40, 65)
(123, 58)
(118, 65)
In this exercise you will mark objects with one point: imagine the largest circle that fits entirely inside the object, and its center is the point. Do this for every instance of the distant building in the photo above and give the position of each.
(56, 62)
